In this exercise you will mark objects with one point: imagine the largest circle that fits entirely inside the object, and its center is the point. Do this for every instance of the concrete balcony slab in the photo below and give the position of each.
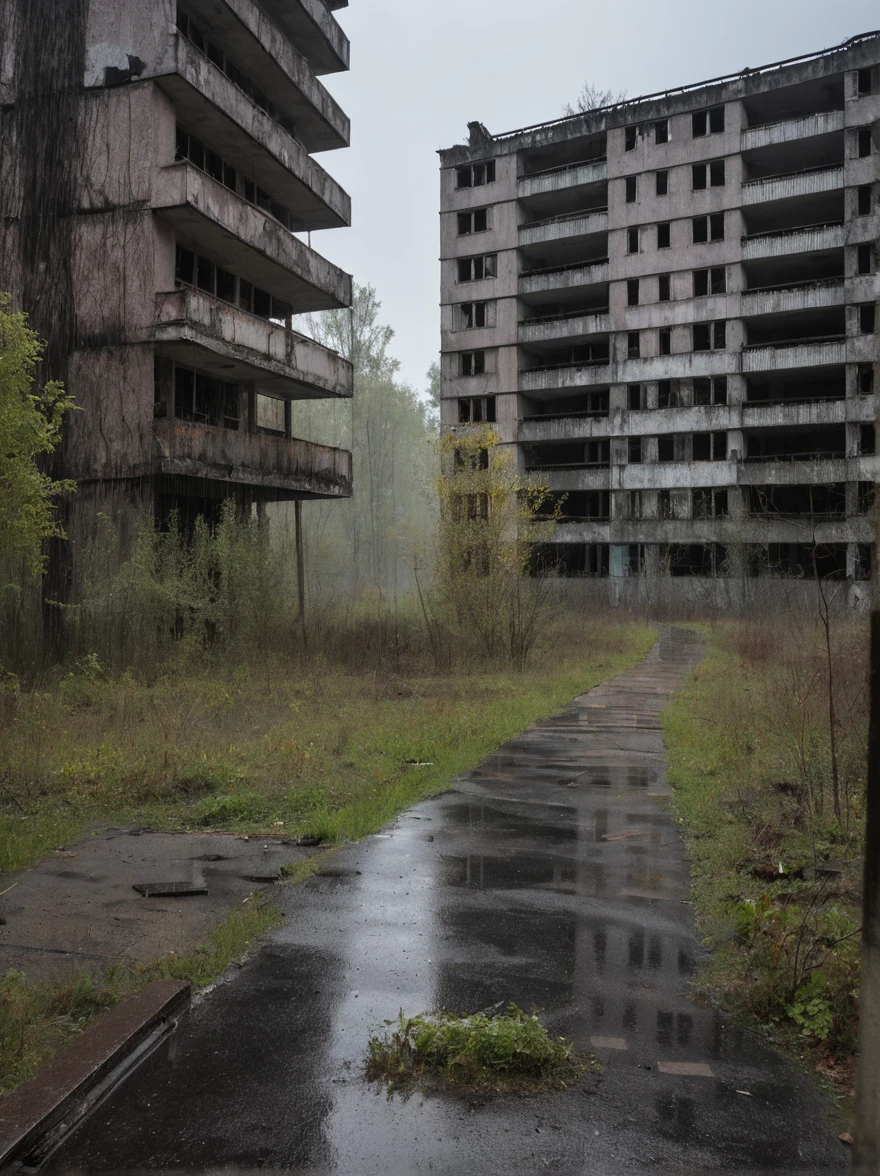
(560, 179)
(818, 412)
(568, 277)
(801, 355)
(196, 328)
(253, 244)
(314, 31)
(283, 467)
(209, 104)
(792, 129)
(274, 62)
(555, 379)
(810, 239)
(816, 472)
(575, 479)
(571, 327)
(677, 475)
(805, 183)
(589, 531)
(801, 297)
(571, 427)
(564, 228)
(682, 366)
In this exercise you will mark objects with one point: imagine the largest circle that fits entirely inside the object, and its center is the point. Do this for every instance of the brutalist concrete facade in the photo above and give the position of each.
(156, 160)
(668, 307)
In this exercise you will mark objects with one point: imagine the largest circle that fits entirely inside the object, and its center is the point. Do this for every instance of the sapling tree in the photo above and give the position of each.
(30, 429)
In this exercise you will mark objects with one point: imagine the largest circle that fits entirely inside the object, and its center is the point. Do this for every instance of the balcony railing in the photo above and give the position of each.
(564, 178)
(785, 130)
(563, 218)
(799, 239)
(572, 224)
(797, 183)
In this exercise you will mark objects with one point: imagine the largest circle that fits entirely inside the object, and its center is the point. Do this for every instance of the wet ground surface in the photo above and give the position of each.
(551, 876)
(78, 909)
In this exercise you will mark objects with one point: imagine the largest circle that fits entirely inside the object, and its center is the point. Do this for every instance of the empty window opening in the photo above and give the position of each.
(663, 235)
(863, 562)
(867, 439)
(865, 259)
(665, 506)
(710, 446)
(668, 395)
(666, 448)
(661, 183)
(709, 504)
(695, 559)
(629, 138)
(475, 175)
(865, 144)
(866, 379)
(473, 222)
(635, 397)
(825, 501)
(804, 560)
(634, 504)
(661, 130)
(864, 191)
(475, 410)
(632, 292)
(633, 350)
(663, 294)
(632, 240)
(712, 391)
(665, 341)
(708, 175)
(866, 318)
(473, 363)
(206, 400)
(709, 336)
(475, 269)
(472, 315)
(867, 496)
(707, 122)
(631, 189)
(634, 450)
(865, 86)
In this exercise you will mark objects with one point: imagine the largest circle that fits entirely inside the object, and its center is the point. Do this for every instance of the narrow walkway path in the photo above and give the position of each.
(552, 876)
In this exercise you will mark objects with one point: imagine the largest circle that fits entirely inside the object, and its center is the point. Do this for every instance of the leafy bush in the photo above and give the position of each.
(509, 1049)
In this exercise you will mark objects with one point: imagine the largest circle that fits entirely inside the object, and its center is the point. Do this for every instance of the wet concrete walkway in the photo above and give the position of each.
(551, 876)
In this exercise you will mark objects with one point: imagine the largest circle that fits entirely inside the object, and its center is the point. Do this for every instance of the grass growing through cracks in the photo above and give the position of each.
(510, 1051)
(39, 1017)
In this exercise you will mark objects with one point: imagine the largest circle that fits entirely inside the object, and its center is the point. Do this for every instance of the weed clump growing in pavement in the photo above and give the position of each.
(510, 1051)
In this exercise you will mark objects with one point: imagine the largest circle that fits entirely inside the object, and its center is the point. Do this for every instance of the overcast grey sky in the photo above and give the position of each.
(422, 69)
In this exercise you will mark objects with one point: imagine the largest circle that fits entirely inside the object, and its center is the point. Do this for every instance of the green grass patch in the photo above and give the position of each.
(510, 1051)
(266, 748)
(37, 1018)
(776, 870)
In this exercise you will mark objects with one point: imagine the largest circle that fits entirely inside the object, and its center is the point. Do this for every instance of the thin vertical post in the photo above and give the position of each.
(300, 567)
(866, 1151)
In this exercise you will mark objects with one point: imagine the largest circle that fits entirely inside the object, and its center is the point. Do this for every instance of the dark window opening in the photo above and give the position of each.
(716, 173)
(473, 363)
(473, 315)
(661, 183)
(700, 229)
(661, 131)
(865, 81)
(476, 410)
(663, 294)
(665, 341)
(864, 191)
(632, 292)
(631, 189)
(709, 504)
(865, 144)
(867, 496)
(632, 345)
(205, 399)
(716, 226)
(632, 240)
(695, 559)
(865, 259)
(473, 222)
(191, 149)
(629, 138)
(698, 176)
(866, 318)
(666, 448)
(635, 397)
(663, 235)
(864, 562)
(475, 269)
(867, 439)
(866, 379)
(475, 175)
(719, 335)
(634, 450)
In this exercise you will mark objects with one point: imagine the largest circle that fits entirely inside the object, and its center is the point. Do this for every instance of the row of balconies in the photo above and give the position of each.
(682, 475)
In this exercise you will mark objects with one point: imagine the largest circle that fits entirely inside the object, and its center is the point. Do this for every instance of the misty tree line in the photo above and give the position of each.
(373, 539)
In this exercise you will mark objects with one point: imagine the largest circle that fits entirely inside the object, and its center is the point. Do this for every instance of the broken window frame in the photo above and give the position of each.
(476, 410)
(478, 174)
(189, 402)
(480, 266)
(474, 316)
(472, 222)
(472, 363)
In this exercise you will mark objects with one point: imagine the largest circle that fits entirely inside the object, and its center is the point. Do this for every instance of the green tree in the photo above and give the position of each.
(30, 428)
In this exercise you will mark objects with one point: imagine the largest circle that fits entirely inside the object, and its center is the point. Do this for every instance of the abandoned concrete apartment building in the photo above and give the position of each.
(668, 307)
(156, 160)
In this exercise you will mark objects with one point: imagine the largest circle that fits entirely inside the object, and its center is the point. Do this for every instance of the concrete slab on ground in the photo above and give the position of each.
(77, 909)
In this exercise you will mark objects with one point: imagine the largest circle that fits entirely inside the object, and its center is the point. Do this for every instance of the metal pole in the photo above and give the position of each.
(866, 1149)
(300, 567)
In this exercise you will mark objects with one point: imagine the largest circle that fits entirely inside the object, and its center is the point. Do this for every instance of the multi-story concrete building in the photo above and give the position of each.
(668, 307)
(156, 160)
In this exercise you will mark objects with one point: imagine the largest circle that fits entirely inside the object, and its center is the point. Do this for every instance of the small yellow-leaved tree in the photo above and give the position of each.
(488, 594)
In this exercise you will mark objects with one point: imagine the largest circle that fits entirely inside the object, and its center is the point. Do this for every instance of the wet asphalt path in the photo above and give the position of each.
(552, 876)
